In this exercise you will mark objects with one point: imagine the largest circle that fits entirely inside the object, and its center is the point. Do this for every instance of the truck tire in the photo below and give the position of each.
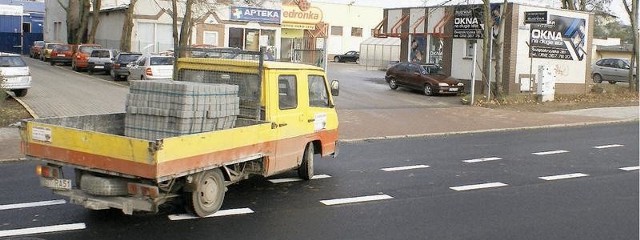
(103, 186)
(207, 197)
(305, 171)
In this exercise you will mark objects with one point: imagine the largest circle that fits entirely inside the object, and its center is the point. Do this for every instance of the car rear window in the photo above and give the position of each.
(62, 48)
(87, 49)
(161, 61)
(11, 61)
(100, 53)
(128, 57)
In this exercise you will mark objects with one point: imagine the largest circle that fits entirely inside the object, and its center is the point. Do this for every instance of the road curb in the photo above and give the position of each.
(31, 112)
(391, 137)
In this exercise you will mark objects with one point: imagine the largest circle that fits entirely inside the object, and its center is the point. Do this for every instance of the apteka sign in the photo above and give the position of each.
(255, 15)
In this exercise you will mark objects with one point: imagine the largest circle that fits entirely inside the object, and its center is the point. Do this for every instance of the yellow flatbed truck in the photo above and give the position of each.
(287, 115)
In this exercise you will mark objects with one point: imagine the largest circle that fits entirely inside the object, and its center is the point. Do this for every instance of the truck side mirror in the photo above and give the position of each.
(335, 88)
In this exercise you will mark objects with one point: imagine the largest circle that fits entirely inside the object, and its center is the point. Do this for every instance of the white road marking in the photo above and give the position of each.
(47, 229)
(228, 212)
(391, 169)
(550, 152)
(608, 146)
(479, 186)
(630, 168)
(477, 160)
(564, 176)
(32, 204)
(338, 201)
(285, 180)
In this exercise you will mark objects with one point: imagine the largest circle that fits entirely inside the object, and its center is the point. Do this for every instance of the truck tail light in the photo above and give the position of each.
(138, 189)
(148, 72)
(48, 171)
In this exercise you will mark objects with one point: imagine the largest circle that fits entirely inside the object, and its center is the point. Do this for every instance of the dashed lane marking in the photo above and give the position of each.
(339, 201)
(564, 176)
(630, 168)
(32, 204)
(47, 229)
(391, 169)
(608, 146)
(477, 160)
(479, 186)
(228, 212)
(550, 152)
(285, 180)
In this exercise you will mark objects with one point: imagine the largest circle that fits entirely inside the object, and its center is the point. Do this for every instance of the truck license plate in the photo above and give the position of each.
(56, 183)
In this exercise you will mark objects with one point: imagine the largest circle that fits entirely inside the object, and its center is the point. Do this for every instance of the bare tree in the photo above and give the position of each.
(486, 40)
(95, 21)
(77, 17)
(127, 28)
(632, 10)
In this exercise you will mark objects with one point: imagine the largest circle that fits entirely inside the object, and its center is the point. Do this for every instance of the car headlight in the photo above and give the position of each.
(460, 84)
(443, 84)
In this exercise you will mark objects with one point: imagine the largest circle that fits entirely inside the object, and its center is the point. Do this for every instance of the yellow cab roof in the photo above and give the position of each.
(190, 62)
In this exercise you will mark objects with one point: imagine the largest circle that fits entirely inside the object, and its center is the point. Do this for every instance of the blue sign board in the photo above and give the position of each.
(255, 15)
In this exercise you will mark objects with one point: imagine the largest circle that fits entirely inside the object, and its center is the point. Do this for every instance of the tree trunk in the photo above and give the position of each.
(81, 32)
(499, 50)
(95, 21)
(127, 27)
(186, 26)
(486, 39)
(635, 57)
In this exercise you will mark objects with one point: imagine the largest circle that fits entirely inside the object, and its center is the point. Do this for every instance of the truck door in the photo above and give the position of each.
(288, 123)
(321, 118)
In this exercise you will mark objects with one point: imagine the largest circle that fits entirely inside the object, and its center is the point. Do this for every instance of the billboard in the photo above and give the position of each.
(468, 21)
(563, 38)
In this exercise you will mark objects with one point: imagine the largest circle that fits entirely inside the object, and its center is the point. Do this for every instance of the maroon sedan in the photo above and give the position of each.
(426, 78)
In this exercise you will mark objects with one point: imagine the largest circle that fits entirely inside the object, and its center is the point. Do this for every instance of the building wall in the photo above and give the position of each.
(567, 72)
(348, 17)
(55, 27)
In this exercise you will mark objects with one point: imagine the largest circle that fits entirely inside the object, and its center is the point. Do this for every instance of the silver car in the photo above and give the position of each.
(14, 74)
(101, 60)
(610, 69)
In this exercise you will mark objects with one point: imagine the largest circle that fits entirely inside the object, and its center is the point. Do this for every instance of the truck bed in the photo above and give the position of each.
(97, 143)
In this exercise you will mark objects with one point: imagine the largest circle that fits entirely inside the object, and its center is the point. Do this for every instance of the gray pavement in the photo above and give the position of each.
(367, 124)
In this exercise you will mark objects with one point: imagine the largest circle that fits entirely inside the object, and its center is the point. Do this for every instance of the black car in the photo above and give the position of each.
(427, 78)
(350, 56)
(122, 63)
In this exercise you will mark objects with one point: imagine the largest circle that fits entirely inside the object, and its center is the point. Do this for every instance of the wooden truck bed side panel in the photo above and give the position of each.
(138, 157)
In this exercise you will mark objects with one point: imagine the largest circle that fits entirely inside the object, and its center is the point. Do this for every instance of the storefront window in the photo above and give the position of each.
(236, 37)
(252, 42)
(435, 50)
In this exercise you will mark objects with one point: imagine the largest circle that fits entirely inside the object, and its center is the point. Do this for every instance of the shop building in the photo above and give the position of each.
(533, 36)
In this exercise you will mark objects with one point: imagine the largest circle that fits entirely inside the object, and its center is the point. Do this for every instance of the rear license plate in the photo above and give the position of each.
(60, 55)
(98, 66)
(453, 89)
(56, 183)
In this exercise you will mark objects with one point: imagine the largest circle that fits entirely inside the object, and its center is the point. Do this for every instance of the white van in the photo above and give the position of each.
(14, 74)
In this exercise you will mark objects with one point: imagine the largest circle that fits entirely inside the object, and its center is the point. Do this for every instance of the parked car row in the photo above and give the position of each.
(95, 59)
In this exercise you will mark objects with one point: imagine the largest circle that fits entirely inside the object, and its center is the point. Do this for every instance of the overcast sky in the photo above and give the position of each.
(616, 5)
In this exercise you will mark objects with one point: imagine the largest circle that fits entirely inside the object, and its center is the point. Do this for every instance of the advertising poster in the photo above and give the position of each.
(468, 21)
(562, 39)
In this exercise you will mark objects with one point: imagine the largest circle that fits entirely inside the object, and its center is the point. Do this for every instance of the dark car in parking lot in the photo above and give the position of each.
(611, 69)
(122, 63)
(350, 56)
(427, 78)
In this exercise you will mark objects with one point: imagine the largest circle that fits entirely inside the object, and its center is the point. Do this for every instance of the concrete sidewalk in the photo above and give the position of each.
(357, 125)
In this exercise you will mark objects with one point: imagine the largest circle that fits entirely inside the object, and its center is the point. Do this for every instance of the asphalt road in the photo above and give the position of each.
(560, 183)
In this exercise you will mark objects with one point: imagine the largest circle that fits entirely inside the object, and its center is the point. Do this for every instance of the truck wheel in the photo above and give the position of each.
(305, 171)
(20, 92)
(208, 195)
